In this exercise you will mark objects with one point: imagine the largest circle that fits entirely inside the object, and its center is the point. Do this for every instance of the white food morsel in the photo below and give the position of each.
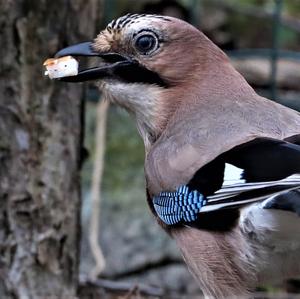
(61, 67)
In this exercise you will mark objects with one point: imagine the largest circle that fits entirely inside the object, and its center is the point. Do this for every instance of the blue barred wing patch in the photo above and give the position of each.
(181, 205)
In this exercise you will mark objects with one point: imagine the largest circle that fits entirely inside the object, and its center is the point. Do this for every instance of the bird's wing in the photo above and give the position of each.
(206, 126)
(247, 173)
(250, 172)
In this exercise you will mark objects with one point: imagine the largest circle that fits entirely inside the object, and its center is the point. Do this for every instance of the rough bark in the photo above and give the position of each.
(40, 142)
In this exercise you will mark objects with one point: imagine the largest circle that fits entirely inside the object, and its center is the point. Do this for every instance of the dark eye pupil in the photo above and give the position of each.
(145, 43)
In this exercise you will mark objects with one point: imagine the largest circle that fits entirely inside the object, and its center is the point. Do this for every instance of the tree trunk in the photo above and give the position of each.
(40, 145)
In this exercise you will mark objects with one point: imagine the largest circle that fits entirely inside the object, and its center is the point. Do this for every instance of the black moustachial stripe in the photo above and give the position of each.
(135, 73)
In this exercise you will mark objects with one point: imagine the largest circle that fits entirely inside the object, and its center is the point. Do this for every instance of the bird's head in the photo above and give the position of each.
(148, 61)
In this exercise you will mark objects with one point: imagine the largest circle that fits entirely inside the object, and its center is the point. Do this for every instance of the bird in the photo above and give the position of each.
(222, 163)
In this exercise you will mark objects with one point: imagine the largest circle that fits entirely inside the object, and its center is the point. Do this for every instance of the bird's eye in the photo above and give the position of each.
(146, 43)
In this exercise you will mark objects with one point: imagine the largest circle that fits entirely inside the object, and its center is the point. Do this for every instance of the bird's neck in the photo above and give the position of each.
(144, 102)
(155, 107)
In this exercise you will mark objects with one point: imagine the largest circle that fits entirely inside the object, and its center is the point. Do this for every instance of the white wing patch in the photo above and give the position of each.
(232, 175)
(236, 194)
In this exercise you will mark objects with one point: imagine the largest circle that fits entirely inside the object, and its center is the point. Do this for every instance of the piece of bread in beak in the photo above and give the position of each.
(61, 67)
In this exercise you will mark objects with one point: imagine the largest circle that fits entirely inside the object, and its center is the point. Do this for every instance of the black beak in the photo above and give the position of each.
(113, 63)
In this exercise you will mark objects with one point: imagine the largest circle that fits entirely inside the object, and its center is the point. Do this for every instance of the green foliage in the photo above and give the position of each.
(288, 38)
(260, 3)
(123, 178)
(124, 153)
(292, 7)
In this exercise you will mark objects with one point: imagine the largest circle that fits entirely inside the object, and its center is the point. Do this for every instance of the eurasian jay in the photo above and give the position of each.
(222, 163)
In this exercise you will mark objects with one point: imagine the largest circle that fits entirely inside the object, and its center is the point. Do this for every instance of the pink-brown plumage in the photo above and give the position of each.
(206, 109)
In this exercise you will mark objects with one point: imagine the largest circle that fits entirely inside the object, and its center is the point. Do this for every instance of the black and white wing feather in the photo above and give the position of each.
(251, 172)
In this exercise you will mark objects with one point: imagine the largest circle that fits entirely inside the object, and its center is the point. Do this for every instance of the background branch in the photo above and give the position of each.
(102, 108)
